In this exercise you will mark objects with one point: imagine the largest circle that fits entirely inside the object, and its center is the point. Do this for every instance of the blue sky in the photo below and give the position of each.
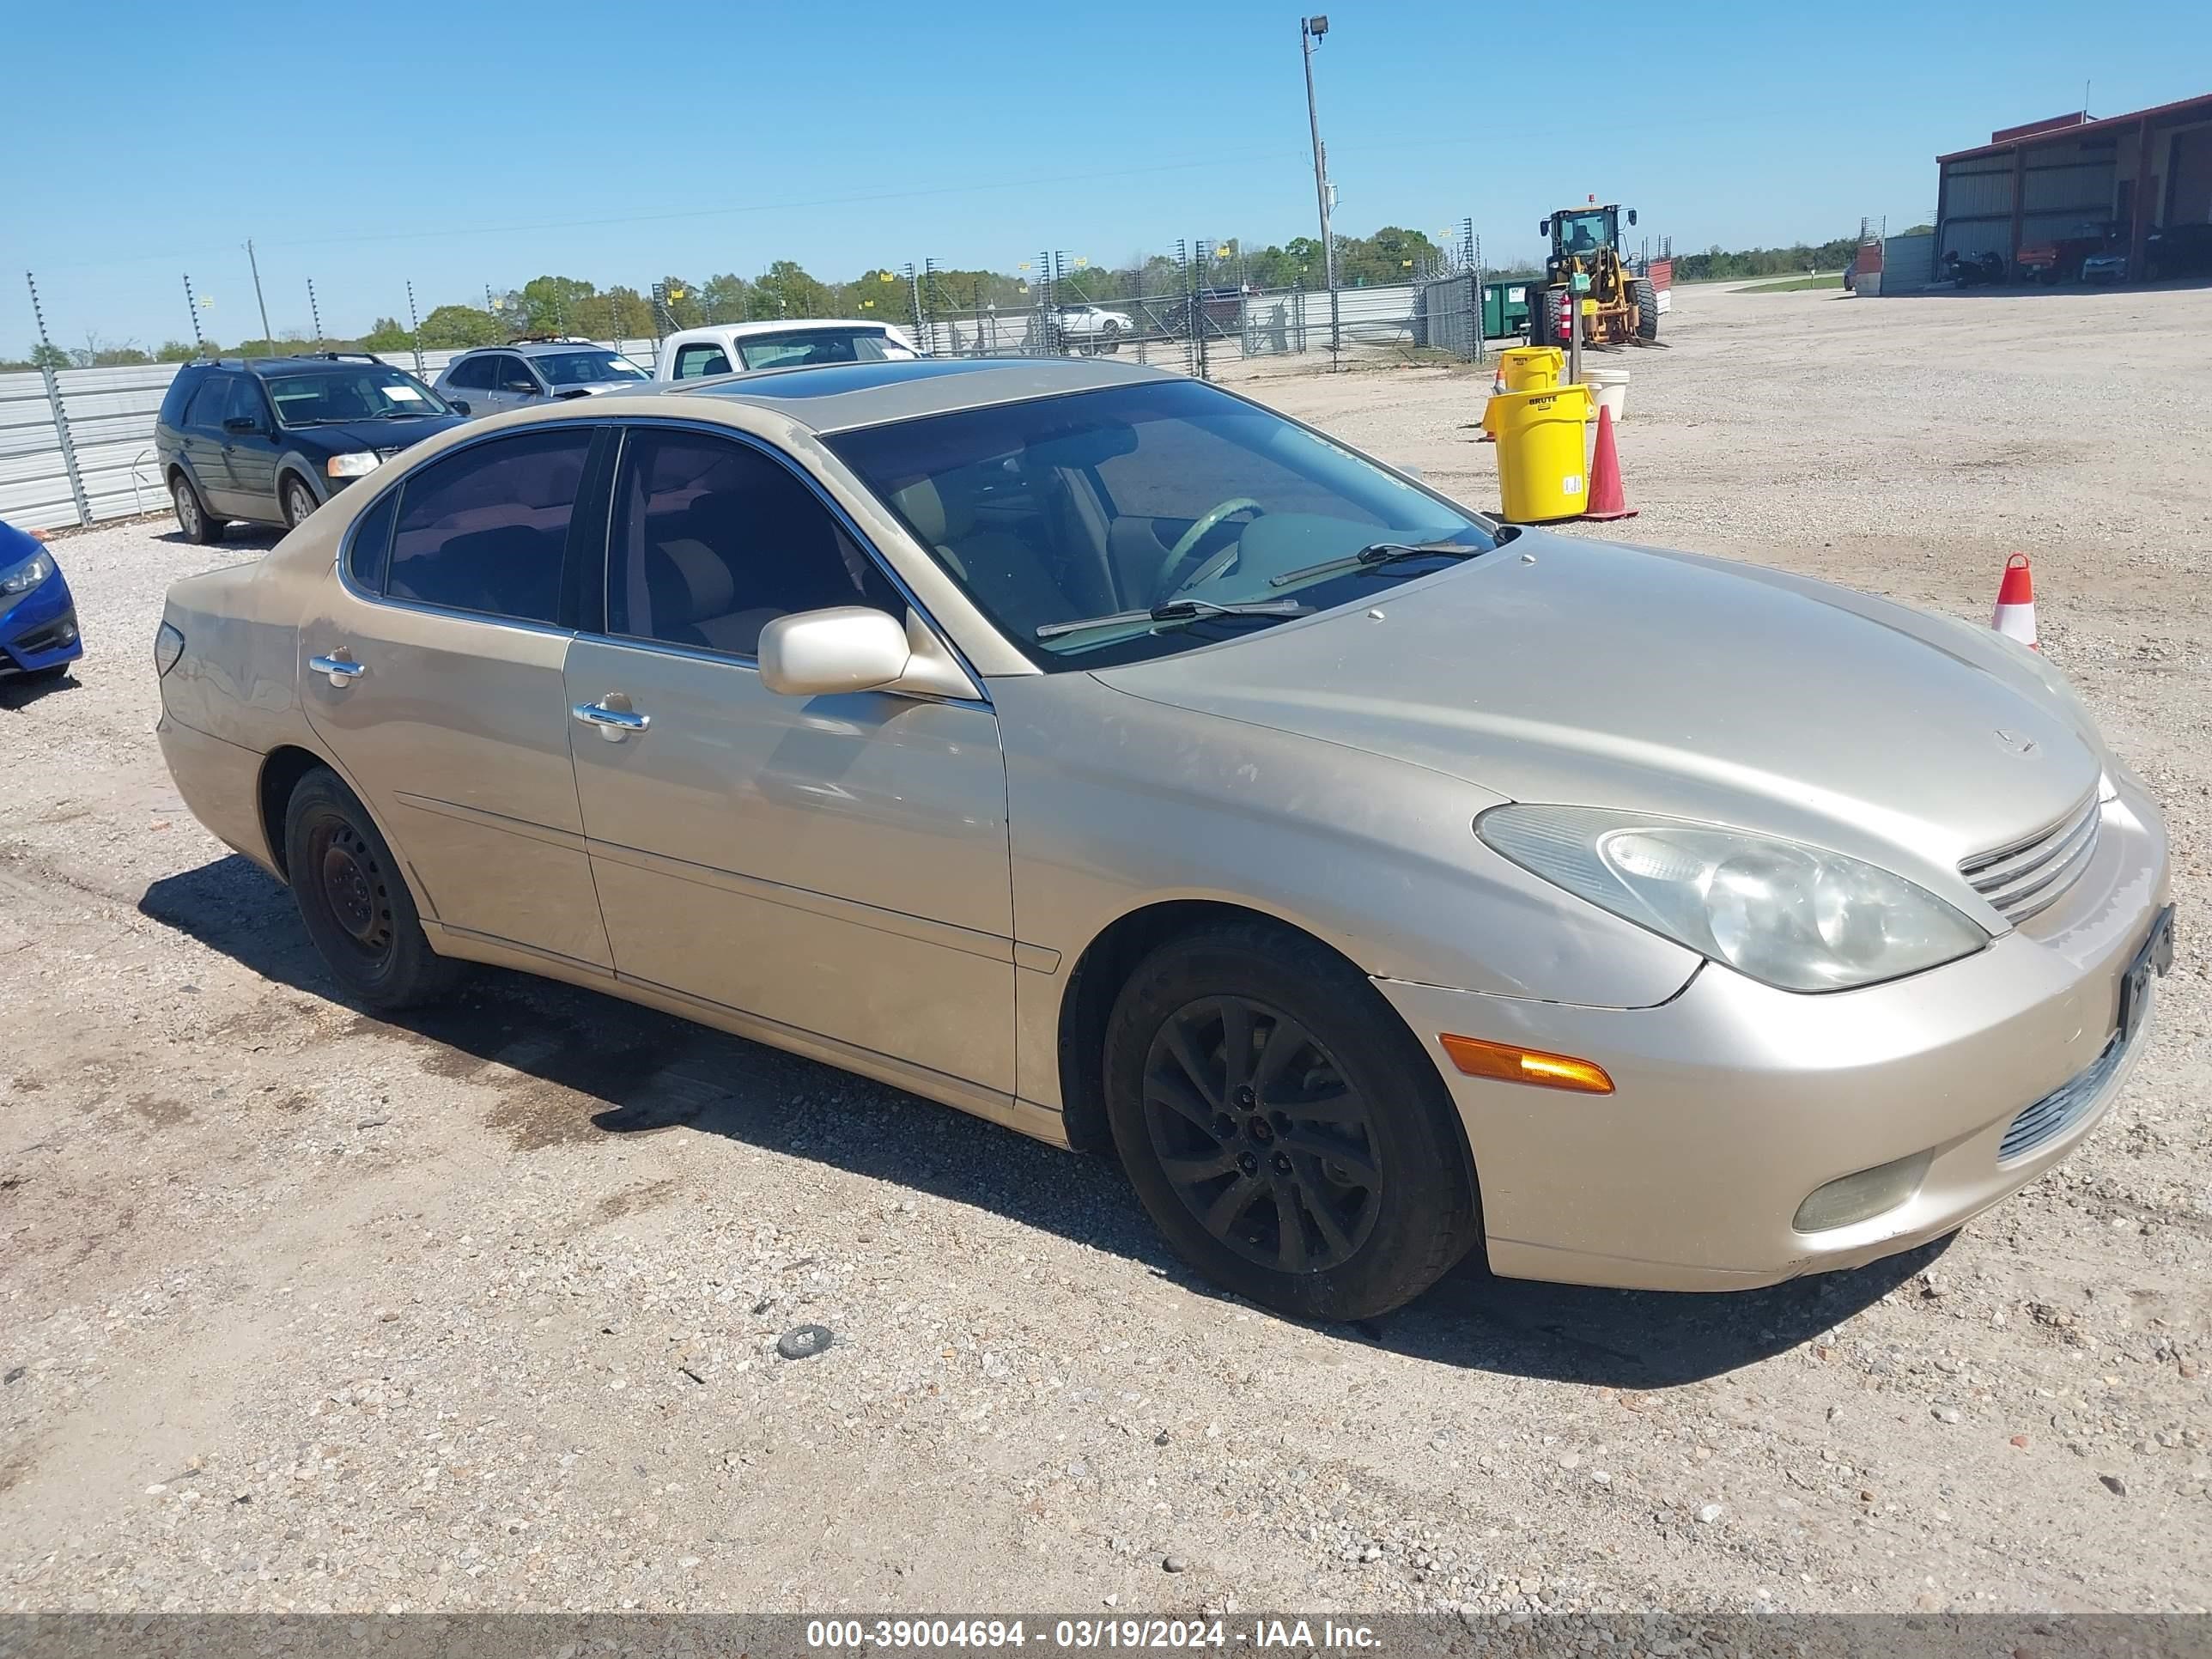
(461, 144)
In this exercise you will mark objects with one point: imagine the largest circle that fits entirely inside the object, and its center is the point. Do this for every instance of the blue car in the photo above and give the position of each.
(38, 618)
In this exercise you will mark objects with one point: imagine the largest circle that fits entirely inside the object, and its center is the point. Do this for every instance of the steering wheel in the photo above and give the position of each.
(1200, 528)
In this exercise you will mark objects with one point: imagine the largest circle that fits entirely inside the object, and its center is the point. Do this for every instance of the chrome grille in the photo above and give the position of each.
(2063, 1108)
(2028, 877)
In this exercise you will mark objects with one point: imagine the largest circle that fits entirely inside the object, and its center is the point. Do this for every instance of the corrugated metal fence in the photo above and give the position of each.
(76, 446)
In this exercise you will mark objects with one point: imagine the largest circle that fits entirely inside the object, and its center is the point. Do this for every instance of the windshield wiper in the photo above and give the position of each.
(1176, 611)
(1378, 553)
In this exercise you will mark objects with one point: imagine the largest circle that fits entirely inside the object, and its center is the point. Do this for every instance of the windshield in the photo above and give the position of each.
(843, 345)
(1581, 232)
(1167, 494)
(586, 367)
(329, 397)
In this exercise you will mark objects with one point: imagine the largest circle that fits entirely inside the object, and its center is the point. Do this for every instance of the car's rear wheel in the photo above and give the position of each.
(298, 500)
(353, 900)
(1283, 1128)
(198, 525)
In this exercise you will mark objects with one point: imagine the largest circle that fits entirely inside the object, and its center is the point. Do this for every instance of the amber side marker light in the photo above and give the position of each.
(1508, 1064)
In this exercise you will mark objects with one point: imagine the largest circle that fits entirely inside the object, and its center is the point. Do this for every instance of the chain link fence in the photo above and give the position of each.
(76, 445)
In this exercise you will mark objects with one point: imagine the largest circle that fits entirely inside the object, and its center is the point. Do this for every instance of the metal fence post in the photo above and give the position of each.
(68, 449)
(54, 403)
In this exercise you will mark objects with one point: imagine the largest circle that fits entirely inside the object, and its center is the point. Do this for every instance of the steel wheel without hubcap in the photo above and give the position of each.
(1260, 1136)
(298, 503)
(353, 885)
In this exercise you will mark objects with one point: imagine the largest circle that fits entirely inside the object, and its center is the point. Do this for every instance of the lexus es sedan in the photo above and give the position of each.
(1105, 754)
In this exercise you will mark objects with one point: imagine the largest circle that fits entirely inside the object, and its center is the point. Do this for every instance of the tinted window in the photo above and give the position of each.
(483, 529)
(469, 375)
(713, 540)
(515, 375)
(593, 367)
(210, 402)
(371, 546)
(807, 350)
(325, 397)
(246, 402)
(694, 361)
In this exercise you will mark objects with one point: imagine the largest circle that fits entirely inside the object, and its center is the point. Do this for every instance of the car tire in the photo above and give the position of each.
(1111, 342)
(353, 900)
(296, 501)
(1255, 1077)
(200, 526)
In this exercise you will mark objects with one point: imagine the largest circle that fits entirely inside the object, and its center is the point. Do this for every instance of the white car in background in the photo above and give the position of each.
(1091, 328)
(729, 348)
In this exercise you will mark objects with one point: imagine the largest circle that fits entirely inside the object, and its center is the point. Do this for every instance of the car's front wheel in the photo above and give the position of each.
(299, 501)
(198, 525)
(1283, 1128)
(353, 900)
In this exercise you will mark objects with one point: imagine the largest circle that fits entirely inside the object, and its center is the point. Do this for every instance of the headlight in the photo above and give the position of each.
(29, 575)
(359, 464)
(1796, 917)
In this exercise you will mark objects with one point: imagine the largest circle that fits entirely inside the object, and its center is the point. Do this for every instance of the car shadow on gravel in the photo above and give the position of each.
(18, 692)
(573, 1067)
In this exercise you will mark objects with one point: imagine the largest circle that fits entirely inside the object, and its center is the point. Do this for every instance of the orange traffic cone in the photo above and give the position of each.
(2014, 617)
(1606, 500)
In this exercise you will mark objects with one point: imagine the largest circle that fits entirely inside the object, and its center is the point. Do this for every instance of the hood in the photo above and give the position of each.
(1592, 674)
(379, 435)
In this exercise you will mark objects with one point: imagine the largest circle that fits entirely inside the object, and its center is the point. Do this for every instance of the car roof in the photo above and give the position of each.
(295, 360)
(840, 396)
(779, 325)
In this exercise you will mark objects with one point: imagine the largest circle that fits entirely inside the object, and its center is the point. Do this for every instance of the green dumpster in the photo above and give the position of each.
(1505, 308)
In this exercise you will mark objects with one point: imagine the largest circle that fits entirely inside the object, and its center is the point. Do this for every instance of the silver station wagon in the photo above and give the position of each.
(1103, 753)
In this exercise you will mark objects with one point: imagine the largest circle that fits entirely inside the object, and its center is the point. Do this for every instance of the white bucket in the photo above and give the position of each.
(1608, 388)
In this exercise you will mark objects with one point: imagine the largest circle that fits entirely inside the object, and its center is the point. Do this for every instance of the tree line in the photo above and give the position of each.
(572, 306)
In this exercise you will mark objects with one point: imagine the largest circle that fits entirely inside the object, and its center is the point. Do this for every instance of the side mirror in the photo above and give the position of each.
(1631, 215)
(460, 406)
(1543, 226)
(241, 423)
(854, 648)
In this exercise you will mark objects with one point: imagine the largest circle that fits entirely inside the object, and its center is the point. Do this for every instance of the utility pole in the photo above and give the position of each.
(315, 312)
(268, 337)
(1310, 30)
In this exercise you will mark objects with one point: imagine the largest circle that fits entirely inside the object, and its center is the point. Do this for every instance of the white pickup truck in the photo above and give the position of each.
(731, 348)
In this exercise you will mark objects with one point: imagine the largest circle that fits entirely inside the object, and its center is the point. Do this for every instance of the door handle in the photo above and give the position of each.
(614, 724)
(343, 671)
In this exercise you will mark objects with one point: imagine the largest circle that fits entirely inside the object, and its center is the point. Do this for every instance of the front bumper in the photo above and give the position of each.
(1732, 1101)
(39, 629)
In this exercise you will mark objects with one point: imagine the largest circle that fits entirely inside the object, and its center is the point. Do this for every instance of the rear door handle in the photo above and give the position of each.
(614, 724)
(343, 671)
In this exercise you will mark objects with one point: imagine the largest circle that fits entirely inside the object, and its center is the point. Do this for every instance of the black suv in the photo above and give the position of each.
(271, 439)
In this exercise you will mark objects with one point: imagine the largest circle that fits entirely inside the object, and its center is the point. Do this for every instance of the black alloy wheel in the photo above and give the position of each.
(1260, 1136)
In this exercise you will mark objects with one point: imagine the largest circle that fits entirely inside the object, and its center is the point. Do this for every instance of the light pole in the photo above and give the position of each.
(1310, 30)
(268, 345)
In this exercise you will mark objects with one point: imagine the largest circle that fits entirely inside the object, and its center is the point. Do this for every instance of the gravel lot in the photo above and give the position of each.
(301, 1309)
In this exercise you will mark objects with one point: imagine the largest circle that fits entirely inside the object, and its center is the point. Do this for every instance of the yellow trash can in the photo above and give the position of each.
(1530, 368)
(1541, 476)
(1521, 368)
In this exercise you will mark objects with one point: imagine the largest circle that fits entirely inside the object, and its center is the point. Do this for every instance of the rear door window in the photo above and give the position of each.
(695, 361)
(484, 529)
(471, 374)
(211, 403)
